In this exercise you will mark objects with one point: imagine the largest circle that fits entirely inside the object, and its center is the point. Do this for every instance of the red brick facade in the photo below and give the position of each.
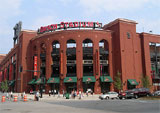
(128, 52)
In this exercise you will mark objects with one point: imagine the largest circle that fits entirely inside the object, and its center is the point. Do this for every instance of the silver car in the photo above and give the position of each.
(156, 93)
(109, 95)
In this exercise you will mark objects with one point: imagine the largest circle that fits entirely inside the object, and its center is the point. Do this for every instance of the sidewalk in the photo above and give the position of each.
(52, 98)
(47, 97)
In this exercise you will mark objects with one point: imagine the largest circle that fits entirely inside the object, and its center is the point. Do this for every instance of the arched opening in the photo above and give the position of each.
(55, 76)
(56, 59)
(88, 78)
(104, 66)
(42, 67)
(71, 66)
(43, 60)
(34, 67)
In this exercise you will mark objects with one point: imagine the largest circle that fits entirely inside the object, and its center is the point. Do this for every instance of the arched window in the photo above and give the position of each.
(71, 57)
(104, 57)
(43, 60)
(87, 57)
(55, 58)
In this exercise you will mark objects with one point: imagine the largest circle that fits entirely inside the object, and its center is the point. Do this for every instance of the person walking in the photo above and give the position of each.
(24, 94)
(7, 96)
(63, 93)
(58, 94)
(80, 95)
(87, 93)
(11, 95)
(49, 92)
(54, 93)
(37, 96)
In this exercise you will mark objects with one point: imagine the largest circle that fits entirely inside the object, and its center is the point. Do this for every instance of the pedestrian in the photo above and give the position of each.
(7, 95)
(63, 93)
(92, 93)
(37, 96)
(21, 95)
(49, 92)
(80, 95)
(87, 93)
(11, 94)
(31, 92)
(58, 94)
(24, 94)
(54, 93)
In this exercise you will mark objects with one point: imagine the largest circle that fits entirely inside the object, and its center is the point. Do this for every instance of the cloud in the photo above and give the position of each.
(9, 8)
(146, 25)
(43, 21)
(96, 6)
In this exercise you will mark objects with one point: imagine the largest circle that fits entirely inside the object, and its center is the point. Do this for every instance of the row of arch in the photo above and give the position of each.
(72, 44)
(87, 46)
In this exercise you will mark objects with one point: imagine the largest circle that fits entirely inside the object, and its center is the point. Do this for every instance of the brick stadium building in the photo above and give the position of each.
(81, 58)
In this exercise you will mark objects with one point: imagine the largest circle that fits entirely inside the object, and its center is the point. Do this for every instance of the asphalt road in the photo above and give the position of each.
(118, 106)
(81, 106)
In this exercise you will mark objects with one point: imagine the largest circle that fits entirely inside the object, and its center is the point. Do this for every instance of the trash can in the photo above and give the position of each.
(67, 95)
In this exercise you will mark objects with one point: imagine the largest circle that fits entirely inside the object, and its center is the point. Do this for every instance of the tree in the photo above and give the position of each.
(118, 81)
(4, 86)
(145, 81)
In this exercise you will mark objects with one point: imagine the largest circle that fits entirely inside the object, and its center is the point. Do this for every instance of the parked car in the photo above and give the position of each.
(89, 90)
(140, 92)
(127, 94)
(156, 93)
(109, 95)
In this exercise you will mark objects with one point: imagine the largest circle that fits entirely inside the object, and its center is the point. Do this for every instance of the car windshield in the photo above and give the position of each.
(111, 93)
(135, 89)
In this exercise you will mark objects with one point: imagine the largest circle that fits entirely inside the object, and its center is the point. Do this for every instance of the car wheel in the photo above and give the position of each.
(136, 96)
(107, 98)
(147, 95)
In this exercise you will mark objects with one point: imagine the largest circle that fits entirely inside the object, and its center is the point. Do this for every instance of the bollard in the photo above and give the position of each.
(25, 98)
(3, 99)
(15, 98)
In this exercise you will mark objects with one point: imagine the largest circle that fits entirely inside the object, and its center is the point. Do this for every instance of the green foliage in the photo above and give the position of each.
(118, 81)
(4, 86)
(145, 81)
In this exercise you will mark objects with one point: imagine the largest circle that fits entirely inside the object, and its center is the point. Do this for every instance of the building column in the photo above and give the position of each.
(79, 66)
(48, 65)
(96, 66)
(111, 63)
(63, 60)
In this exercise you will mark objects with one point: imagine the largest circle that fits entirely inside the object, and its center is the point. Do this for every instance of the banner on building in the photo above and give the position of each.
(35, 65)
(10, 72)
(0, 76)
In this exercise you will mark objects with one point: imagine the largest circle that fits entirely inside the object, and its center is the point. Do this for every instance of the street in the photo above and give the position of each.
(79, 106)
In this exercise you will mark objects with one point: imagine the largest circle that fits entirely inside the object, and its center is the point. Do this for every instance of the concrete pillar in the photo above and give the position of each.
(79, 65)
(48, 64)
(96, 66)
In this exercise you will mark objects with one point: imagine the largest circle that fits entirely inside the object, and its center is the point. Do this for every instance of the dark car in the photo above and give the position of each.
(127, 94)
(140, 92)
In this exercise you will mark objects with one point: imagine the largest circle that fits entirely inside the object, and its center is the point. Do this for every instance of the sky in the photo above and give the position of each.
(37, 13)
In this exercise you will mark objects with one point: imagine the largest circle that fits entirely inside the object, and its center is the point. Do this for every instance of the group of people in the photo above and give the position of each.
(52, 92)
(9, 95)
(78, 94)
